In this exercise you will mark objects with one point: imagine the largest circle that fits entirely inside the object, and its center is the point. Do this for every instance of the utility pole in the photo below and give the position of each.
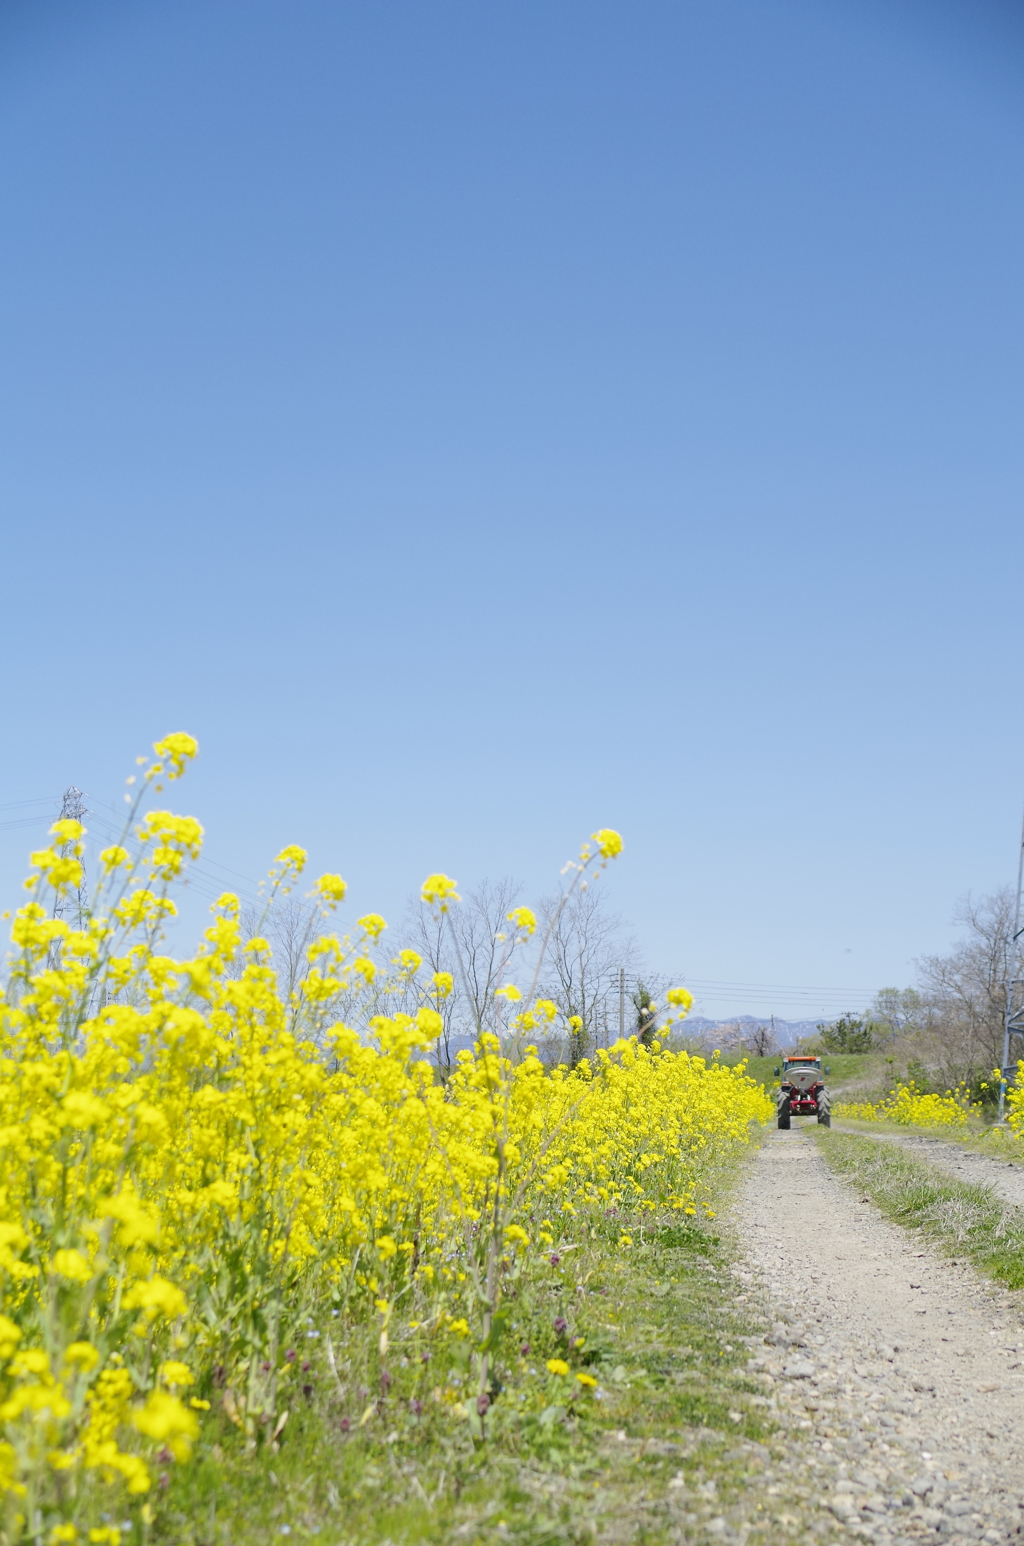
(622, 1002)
(72, 809)
(1014, 1022)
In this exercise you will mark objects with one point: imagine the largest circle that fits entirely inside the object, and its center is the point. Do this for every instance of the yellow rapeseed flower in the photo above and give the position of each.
(167, 1420)
(175, 750)
(439, 888)
(523, 919)
(330, 888)
(220, 1138)
(82, 1355)
(373, 924)
(72, 1265)
(175, 1373)
(68, 831)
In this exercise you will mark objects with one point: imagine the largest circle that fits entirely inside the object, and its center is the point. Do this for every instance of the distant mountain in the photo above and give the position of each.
(787, 1032)
(726, 1034)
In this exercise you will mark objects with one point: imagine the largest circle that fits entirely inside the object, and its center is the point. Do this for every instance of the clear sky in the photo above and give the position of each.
(478, 423)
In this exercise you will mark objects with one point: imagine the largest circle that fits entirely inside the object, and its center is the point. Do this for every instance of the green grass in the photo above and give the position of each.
(662, 1337)
(999, 1142)
(968, 1222)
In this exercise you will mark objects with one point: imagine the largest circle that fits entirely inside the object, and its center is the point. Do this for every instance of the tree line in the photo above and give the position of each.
(946, 1029)
(950, 1027)
(588, 949)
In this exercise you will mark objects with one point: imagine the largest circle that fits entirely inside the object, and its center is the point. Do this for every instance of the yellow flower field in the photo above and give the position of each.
(202, 1177)
(907, 1106)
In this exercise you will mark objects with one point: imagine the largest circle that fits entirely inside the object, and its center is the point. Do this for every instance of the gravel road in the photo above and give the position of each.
(899, 1374)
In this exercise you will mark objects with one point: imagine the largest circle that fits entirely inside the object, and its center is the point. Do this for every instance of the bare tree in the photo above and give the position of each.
(473, 943)
(427, 933)
(760, 1040)
(965, 992)
(728, 1036)
(482, 945)
(289, 927)
(586, 949)
(896, 1012)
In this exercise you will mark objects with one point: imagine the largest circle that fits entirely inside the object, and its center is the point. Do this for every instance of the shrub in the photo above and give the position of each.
(848, 1034)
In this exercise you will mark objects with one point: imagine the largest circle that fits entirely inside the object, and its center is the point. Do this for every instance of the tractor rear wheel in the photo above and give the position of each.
(784, 1113)
(824, 1112)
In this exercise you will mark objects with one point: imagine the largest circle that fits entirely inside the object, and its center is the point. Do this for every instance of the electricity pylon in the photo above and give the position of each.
(72, 809)
(1013, 1024)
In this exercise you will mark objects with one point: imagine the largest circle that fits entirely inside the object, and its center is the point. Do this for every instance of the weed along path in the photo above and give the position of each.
(901, 1372)
(1005, 1177)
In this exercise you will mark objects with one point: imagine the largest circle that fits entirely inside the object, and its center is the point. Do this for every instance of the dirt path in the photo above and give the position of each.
(1004, 1176)
(903, 1371)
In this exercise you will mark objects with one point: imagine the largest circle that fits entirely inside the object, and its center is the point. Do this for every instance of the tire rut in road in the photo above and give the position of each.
(899, 1374)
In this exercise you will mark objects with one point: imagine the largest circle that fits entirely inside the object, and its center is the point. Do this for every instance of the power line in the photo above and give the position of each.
(13, 823)
(11, 805)
(196, 877)
(197, 866)
(718, 999)
(714, 988)
(776, 987)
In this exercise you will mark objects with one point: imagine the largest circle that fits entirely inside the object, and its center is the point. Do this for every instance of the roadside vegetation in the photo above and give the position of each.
(946, 1033)
(261, 1259)
(673, 1409)
(965, 1221)
(907, 1106)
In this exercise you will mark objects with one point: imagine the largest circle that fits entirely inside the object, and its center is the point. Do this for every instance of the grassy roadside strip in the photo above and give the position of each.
(674, 1432)
(966, 1221)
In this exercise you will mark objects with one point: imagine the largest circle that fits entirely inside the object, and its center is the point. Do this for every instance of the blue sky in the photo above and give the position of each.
(480, 423)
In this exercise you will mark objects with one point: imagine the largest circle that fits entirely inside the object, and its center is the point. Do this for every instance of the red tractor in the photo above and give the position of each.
(802, 1091)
